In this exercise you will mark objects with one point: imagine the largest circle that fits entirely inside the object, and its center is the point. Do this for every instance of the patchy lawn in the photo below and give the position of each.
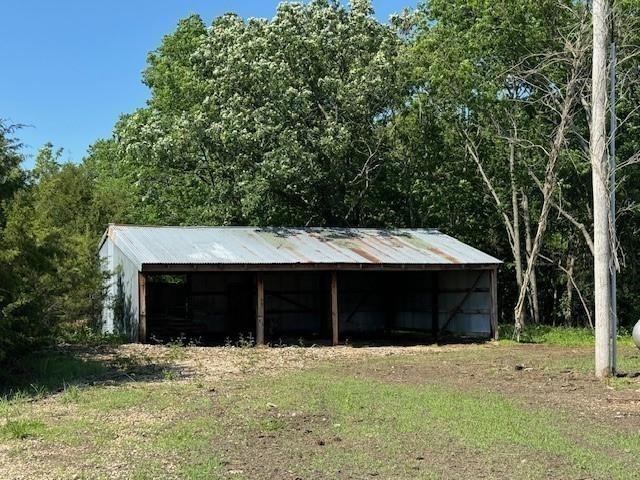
(459, 411)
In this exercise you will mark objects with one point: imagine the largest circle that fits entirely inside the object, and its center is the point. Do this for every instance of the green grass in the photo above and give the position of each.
(560, 336)
(185, 441)
(116, 399)
(71, 394)
(270, 425)
(21, 429)
(71, 371)
(381, 422)
(41, 374)
(82, 334)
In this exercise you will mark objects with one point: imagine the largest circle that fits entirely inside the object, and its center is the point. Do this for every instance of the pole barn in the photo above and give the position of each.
(280, 284)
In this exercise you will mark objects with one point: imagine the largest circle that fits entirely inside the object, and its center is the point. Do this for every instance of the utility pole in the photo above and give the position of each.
(601, 192)
(613, 125)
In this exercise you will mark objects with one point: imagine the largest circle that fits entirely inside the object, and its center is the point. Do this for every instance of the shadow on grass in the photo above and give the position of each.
(54, 370)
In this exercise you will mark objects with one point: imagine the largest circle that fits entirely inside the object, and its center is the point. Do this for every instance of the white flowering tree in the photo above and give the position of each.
(268, 121)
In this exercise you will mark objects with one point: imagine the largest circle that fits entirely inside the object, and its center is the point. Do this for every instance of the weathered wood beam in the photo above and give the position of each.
(142, 308)
(334, 308)
(243, 267)
(259, 309)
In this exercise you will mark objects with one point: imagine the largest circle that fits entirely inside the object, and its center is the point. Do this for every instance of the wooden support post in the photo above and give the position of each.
(493, 288)
(435, 304)
(259, 309)
(142, 308)
(334, 308)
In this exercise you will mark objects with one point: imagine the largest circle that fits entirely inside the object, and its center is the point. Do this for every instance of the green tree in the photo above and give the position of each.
(12, 177)
(496, 76)
(64, 216)
(24, 261)
(269, 122)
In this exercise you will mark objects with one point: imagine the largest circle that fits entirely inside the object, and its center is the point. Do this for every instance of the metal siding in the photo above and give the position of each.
(106, 259)
(294, 246)
(361, 308)
(305, 289)
(119, 266)
(474, 316)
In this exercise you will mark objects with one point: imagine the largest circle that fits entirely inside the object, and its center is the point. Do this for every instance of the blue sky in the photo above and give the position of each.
(71, 67)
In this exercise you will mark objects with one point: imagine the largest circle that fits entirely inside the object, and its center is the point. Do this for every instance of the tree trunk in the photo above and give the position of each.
(512, 225)
(550, 181)
(568, 309)
(517, 254)
(600, 179)
(555, 303)
(533, 287)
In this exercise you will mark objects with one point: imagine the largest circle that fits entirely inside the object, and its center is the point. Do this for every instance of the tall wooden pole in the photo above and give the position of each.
(613, 125)
(600, 178)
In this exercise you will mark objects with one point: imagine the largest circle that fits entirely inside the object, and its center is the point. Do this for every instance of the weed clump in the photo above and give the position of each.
(21, 429)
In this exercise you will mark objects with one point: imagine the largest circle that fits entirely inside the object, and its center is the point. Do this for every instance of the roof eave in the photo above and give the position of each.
(256, 267)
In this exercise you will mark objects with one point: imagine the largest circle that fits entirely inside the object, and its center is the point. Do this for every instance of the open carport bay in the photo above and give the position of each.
(393, 306)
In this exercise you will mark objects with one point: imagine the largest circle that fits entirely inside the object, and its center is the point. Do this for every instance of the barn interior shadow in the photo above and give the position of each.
(55, 370)
(372, 341)
(415, 341)
(387, 339)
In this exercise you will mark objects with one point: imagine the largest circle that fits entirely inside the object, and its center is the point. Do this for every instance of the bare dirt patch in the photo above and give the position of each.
(540, 376)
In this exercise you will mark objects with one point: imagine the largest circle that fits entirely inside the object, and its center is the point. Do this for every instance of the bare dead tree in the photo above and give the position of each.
(517, 253)
(568, 311)
(533, 288)
(511, 223)
(471, 146)
(571, 280)
(568, 216)
(566, 110)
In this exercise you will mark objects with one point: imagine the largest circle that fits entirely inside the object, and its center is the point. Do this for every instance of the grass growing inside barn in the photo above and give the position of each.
(459, 411)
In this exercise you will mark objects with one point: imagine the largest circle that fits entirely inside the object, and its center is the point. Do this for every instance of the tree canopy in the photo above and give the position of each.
(283, 121)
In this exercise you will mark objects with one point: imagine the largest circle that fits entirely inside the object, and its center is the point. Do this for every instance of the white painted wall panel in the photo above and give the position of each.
(120, 311)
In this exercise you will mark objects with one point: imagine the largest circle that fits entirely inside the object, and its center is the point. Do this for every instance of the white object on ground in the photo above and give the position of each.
(636, 334)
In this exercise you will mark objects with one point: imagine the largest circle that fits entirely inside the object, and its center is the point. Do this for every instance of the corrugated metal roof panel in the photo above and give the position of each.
(271, 245)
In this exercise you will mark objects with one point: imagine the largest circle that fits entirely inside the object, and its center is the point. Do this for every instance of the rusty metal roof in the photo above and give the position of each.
(146, 245)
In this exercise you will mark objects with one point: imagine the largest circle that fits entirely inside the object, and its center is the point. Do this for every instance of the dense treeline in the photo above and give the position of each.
(467, 115)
